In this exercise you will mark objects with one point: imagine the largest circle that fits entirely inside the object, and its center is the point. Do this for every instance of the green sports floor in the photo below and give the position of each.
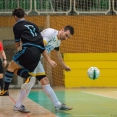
(100, 102)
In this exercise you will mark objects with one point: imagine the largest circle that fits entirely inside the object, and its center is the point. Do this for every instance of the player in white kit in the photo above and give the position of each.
(52, 39)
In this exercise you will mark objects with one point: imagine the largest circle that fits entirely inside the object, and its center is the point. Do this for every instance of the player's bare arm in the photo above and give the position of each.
(46, 56)
(4, 58)
(61, 62)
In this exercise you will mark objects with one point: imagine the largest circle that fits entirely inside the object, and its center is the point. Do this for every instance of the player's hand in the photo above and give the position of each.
(67, 68)
(52, 63)
(4, 63)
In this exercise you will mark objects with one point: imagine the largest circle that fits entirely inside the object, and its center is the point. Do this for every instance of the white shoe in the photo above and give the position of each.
(29, 83)
(21, 109)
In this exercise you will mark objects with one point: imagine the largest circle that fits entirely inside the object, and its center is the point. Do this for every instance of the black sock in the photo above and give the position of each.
(1, 83)
(6, 86)
(8, 78)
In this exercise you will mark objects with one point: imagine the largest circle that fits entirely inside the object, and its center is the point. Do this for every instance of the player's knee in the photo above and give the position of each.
(23, 73)
(15, 72)
(44, 81)
(32, 82)
(40, 77)
(29, 83)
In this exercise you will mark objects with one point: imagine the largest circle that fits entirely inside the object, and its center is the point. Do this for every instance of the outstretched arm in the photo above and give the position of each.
(46, 56)
(61, 62)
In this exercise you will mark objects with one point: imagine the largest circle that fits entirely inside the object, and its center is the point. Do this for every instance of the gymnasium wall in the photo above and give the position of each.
(93, 34)
(80, 63)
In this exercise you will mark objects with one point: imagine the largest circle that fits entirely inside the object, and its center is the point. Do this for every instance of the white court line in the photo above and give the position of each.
(92, 115)
(99, 95)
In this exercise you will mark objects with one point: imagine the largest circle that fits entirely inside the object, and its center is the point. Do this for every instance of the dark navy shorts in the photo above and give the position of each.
(28, 58)
(1, 67)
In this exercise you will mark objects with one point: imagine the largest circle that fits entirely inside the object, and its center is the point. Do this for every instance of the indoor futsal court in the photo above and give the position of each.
(85, 102)
(91, 53)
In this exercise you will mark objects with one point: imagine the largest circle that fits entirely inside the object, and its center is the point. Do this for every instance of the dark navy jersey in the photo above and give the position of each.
(28, 33)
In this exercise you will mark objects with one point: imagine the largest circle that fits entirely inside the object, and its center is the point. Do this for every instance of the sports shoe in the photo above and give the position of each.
(21, 109)
(28, 83)
(4, 93)
(63, 107)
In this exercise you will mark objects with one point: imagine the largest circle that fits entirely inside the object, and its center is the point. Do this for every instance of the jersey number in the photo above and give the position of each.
(31, 29)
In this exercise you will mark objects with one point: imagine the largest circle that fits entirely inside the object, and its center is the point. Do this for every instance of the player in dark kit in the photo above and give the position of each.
(27, 58)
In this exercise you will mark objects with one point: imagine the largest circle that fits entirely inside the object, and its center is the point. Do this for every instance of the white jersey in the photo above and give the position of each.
(50, 39)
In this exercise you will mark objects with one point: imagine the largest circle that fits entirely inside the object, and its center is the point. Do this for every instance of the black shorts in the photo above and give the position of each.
(1, 67)
(28, 58)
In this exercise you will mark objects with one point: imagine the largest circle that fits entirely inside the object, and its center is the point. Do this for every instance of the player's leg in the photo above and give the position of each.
(47, 88)
(13, 65)
(30, 80)
(32, 55)
(19, 104)
(28, 59)
(8, 77)
(1, 75)
(49, 91)
(20, 99)
(51, 94)
(23, 95)
(25, 91)
(1, 81)
(45, 85)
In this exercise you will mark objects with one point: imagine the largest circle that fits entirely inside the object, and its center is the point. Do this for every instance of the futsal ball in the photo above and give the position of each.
(93, 73)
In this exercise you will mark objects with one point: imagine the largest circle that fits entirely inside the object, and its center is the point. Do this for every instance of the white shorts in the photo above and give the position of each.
(39, 70)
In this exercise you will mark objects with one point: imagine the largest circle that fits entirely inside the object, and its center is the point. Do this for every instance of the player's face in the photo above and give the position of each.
(65, 34)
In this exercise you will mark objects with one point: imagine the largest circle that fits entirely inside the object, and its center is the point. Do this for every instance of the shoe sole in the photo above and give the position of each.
(65, 110)
(26, 86)
(4, 94)
(23, 111)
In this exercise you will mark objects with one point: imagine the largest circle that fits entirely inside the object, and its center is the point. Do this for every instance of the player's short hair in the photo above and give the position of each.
(70, 28)
(19, 12)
